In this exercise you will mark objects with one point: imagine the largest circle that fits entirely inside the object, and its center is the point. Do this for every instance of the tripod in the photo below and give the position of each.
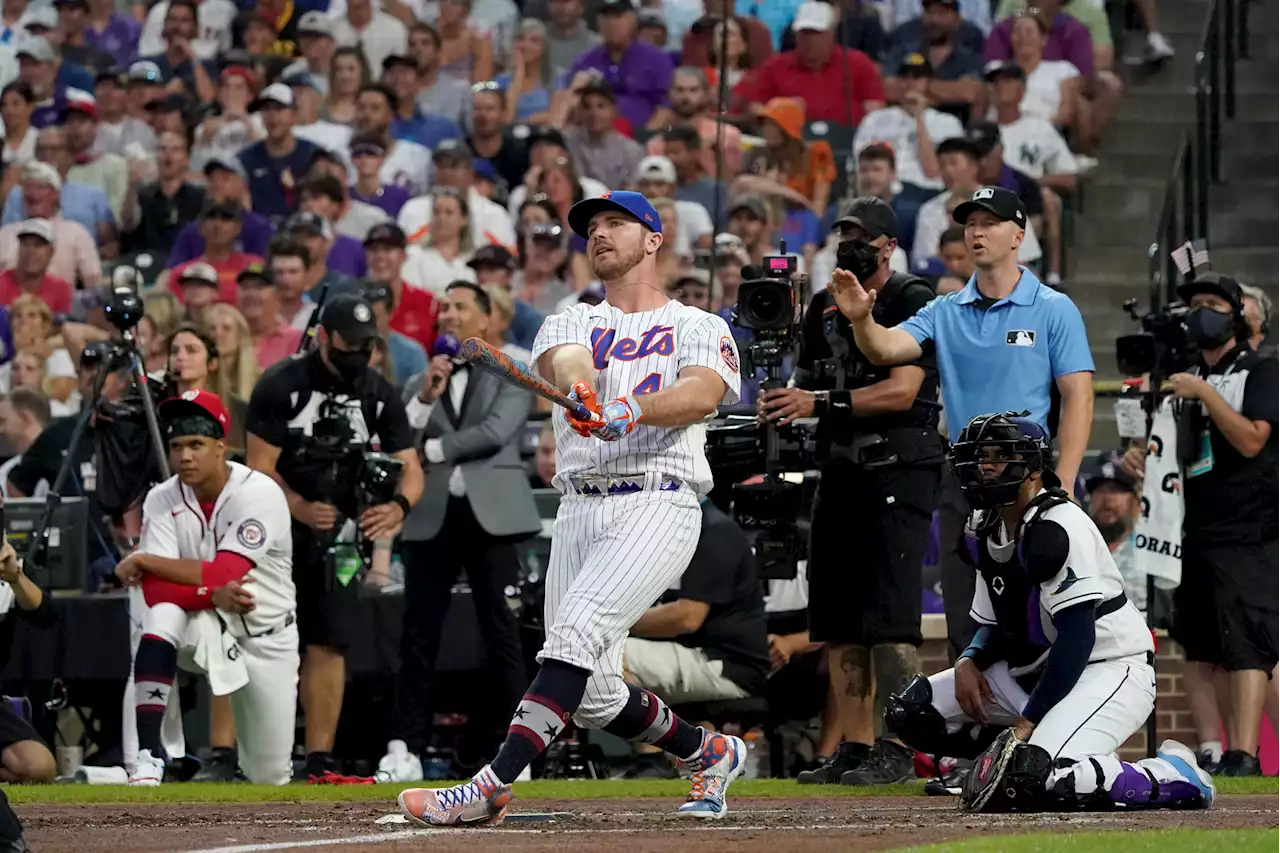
(119, 356)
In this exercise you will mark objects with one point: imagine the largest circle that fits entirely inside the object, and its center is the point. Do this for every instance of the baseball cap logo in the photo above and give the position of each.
(607, 194)
(190, 395)
(984, 194)
(362, 314)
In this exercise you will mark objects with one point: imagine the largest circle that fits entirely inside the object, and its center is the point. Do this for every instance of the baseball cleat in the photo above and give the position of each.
(1183, 760)
(714, 768)
(148, 770)
(481, 802)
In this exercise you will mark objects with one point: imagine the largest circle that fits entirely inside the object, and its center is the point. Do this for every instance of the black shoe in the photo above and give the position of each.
(220, 767)
(889, 764)
(1237, 762)
(849, 756)
(1205, 759)
(652, 765)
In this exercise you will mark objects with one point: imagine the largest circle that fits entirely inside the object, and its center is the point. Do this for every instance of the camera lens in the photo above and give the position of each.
(765, 304)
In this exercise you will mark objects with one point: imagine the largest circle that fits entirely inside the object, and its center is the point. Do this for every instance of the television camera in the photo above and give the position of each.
(770, 301)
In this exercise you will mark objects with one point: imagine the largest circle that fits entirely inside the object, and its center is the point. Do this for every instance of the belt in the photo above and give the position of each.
(289, 619)
(599, 487)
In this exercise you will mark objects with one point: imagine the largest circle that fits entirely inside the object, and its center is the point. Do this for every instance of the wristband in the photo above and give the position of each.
(820, 401)
(402, 502)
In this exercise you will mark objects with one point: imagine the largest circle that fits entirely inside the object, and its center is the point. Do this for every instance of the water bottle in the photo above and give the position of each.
(750, 764)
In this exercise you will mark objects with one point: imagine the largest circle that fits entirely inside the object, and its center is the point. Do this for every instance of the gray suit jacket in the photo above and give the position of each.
(484, 441)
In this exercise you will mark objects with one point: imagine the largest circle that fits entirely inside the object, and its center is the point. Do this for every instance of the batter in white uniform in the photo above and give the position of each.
(212, 523)
(1060, 655)
(630, 519)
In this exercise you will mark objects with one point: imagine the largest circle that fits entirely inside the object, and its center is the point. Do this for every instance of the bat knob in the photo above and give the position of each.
(470, 348)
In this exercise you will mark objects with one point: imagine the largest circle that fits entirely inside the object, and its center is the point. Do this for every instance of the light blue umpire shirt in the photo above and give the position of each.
(1003, 358)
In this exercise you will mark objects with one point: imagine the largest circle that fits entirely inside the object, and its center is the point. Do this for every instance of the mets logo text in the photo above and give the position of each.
(729, 354)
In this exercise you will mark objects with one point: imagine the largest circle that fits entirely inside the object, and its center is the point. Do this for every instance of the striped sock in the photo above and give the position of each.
(647, 719)
(154, 668)
(540, 717)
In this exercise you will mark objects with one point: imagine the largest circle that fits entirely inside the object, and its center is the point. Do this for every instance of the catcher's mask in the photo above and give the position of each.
(1011, 440)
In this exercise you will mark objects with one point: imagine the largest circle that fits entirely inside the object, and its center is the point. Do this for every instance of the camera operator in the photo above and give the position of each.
(878, 429)
(310, 421)
(1225, 609)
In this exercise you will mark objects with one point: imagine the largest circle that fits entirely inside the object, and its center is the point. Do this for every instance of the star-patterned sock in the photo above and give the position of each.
(540, 717)
(154, 668)
(647, 719)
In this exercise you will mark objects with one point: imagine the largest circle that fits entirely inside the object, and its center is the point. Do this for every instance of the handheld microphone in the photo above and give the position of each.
(446, 344)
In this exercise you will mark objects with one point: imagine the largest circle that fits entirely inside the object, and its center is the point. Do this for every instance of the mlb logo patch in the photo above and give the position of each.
(729, 354)
(1021, 338)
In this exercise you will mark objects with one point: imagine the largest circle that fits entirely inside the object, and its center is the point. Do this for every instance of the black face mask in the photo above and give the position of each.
(350, 365)
(1208, 328)
(861, 259)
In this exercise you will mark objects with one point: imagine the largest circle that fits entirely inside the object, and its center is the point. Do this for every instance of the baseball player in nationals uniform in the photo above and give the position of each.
(630, 518)
(211, 523)
(1059, 673)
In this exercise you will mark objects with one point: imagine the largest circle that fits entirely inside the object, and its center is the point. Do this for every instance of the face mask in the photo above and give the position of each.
(1209, 328)
(350, 365)
(860, 259)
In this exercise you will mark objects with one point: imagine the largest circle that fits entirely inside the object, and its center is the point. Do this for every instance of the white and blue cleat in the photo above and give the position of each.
(721, 760)
(1183, 760)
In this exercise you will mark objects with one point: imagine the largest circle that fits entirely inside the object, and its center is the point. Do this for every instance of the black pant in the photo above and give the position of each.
(431, 569)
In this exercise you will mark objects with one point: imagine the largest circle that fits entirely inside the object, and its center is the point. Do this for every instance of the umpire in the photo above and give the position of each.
(311, 419)
(882, 457)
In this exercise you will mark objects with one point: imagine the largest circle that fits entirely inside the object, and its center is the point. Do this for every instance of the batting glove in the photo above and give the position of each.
(620, 417)
(584, 394)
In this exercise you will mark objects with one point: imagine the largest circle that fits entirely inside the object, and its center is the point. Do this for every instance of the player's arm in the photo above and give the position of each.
(1077, 630)
(694, 395)
(223, 567)
(560, 351)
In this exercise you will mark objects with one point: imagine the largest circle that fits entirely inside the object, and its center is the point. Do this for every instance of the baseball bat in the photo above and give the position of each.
(505, 367)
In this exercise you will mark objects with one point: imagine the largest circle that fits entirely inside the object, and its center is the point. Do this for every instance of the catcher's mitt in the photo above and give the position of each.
(1010, 776)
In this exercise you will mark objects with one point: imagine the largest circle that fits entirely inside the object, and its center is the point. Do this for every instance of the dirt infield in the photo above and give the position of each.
(644, 826)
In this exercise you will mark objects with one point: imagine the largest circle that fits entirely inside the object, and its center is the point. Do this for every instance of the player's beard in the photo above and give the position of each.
(614, 266)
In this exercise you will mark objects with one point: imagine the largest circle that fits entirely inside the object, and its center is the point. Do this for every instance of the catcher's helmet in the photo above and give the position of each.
(1021, 444)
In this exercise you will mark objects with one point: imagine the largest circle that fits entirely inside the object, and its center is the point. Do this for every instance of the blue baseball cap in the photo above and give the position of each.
(631, 203)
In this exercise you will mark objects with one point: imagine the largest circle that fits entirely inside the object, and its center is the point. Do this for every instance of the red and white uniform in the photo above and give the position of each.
(250, 520)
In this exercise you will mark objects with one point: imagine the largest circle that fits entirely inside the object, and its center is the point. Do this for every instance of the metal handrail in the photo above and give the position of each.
(1198, 163)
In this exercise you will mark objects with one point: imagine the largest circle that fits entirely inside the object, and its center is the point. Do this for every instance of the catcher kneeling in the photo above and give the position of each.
(1059, 674)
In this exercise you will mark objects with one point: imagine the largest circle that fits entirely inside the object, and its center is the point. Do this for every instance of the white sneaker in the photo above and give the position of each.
(148, 771)
(399, 764)
(1158, 48)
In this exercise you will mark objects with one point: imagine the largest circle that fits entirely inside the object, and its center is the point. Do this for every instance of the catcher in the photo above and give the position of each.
(1060, 672)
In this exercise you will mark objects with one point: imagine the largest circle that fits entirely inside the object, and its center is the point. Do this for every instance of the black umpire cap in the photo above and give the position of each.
(874, 216)
(998, 201)
(350, 316)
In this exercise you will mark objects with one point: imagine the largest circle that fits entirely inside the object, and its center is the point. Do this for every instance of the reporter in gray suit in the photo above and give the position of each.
(477, 505)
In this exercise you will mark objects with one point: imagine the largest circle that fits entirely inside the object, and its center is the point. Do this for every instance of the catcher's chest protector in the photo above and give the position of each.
(1014, 587)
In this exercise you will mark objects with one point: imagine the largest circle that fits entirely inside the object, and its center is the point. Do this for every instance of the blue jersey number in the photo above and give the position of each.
(651, 384)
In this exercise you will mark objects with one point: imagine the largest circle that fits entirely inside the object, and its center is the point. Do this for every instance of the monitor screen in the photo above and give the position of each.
(65, 563)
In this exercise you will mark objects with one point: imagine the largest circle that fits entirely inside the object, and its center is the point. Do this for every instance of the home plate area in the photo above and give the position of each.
(756, 825)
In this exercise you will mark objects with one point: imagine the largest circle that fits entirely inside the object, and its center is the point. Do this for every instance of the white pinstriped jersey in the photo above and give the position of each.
(639, 354)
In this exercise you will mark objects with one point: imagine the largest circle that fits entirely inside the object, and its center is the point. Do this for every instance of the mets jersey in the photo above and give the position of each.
(250, 518)
(641, 353)
(1088, 575)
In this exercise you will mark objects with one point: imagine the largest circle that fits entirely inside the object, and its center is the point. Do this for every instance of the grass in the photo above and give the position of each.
(537, 790)
(1143, 841)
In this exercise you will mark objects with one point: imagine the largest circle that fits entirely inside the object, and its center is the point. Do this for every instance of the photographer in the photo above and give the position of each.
(311, 420)
(878, 428)
(1224, 611)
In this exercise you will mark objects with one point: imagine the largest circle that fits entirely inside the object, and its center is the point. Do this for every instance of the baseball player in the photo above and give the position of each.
(630, 519)
(212, 523)
(1060, 656)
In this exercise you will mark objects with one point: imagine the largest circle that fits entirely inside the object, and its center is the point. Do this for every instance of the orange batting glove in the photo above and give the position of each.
(586, 395)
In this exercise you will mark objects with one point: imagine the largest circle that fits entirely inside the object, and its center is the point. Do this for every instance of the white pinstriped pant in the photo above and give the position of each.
(611, 559)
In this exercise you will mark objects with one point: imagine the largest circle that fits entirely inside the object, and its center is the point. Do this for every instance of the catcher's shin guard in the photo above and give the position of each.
(911, 716)
(1011, 776)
